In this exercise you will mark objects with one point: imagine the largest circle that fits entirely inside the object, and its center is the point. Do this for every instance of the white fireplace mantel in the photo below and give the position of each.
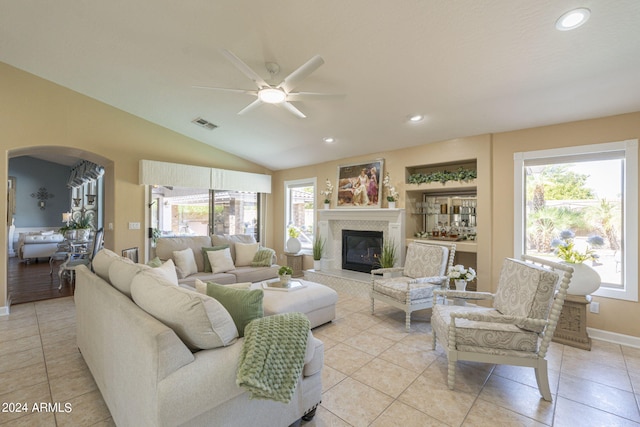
(331, 222)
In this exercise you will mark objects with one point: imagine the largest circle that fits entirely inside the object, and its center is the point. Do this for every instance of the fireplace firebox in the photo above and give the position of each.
(361, 250)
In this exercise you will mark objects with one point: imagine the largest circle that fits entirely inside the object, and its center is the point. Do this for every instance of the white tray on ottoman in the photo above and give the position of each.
(317, 301)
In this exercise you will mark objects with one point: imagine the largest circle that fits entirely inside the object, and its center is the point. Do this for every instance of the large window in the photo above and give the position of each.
(199, 212)
(300, 210)
(583, 199)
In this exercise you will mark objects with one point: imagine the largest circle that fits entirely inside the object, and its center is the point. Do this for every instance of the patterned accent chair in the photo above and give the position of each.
(518, 328)
(425, 270)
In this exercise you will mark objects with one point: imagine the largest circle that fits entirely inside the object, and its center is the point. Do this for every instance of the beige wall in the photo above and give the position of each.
(37, 113)
(495, 188)
(615, 316)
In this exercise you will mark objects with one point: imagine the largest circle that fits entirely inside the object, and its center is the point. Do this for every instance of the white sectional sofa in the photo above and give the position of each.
(148, 376)
(240, 246)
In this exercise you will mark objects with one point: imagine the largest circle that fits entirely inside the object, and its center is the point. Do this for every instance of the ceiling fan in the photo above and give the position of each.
(280, 95)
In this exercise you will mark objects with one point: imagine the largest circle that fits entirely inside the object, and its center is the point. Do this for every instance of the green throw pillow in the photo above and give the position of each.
(155, 263)
(244, 305)
(263, 258)
(205, 249)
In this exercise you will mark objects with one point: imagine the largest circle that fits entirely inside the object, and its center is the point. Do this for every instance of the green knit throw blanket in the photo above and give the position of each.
(272, 356)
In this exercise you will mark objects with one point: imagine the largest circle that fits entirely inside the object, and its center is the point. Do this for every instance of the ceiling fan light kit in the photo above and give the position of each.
(282, 94)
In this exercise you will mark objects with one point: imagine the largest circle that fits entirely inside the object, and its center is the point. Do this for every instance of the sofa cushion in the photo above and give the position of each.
(121, 274)
(263, 258)
(221, 260)
(166, 245)
(245, 253)
(185, 262)
(207, 264)
(244, 305)
(221, 278)
(533, 295)
(255, 274)
(201, 322)
(102, 261)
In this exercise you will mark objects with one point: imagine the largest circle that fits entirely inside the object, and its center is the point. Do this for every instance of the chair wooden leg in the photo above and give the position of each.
(407, 321)
(372, 305)
(542, 378)
(451, 376)
(433, 339)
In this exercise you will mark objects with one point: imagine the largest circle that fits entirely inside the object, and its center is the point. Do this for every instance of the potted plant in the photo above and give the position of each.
(585, 279)
(388, 256)
(285, 273)
(318, 248)
(392, 193)
(461, 276)
(327, 193)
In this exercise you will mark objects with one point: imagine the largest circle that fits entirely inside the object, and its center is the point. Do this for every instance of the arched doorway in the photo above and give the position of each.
(44, 282)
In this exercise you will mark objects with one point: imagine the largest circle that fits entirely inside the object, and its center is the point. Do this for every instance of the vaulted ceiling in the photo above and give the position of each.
(470, 67)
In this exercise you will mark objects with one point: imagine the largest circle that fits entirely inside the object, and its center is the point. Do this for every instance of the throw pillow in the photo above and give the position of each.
(263, 257)
(201, 287)
(243, 305)
(185, 263)
(205, 249)
(245, 253)
(155, 263)
(220, 260)
(167, 271)
(201, 322)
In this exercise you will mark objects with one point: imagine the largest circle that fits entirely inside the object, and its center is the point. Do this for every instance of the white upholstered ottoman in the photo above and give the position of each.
(317, 301)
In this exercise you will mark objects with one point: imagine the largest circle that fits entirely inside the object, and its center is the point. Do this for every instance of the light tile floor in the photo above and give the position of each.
(375, 374)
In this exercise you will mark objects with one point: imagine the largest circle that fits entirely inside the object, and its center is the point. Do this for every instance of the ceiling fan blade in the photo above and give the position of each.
(293, 79)
(296, 96)
(289, 106)
(259, 81)
(251, 106)
(225, 89)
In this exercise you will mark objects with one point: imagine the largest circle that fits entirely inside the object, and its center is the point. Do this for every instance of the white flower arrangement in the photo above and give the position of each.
(392, 194)
(458, 272)
(328, 191)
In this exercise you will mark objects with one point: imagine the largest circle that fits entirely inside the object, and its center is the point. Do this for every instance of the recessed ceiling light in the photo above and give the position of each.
(416, 118)
(329, 140)
(573, 19)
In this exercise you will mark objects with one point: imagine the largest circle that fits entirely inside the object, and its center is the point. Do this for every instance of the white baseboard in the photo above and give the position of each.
(614, 337)
(4, 311)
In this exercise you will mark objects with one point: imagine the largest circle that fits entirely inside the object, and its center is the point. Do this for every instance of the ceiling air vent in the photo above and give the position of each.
(204, 123)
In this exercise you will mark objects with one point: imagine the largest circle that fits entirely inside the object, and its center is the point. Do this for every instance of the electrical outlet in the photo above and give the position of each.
(594, 307)
(134, 226)
(110, 226)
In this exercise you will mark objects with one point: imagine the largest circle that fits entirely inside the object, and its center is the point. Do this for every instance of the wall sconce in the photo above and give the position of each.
(91, 198)
(76, 202)
(42, 195)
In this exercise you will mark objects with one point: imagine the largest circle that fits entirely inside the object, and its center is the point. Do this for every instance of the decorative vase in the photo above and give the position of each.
(83, 234)
(461, 285)
(392, 205)
(327, 205)
(285, 280)
(585, 280)
(317, 265)
(293, 245)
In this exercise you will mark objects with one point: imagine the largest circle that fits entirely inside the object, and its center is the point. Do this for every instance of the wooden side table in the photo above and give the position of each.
(295, 262)
(572, 325)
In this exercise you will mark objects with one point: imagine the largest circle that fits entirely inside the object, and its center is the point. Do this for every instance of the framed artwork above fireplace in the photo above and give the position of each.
(359, 184)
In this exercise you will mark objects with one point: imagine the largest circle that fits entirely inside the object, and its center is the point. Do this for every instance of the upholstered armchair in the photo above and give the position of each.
(519, 326)
(411, 287)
